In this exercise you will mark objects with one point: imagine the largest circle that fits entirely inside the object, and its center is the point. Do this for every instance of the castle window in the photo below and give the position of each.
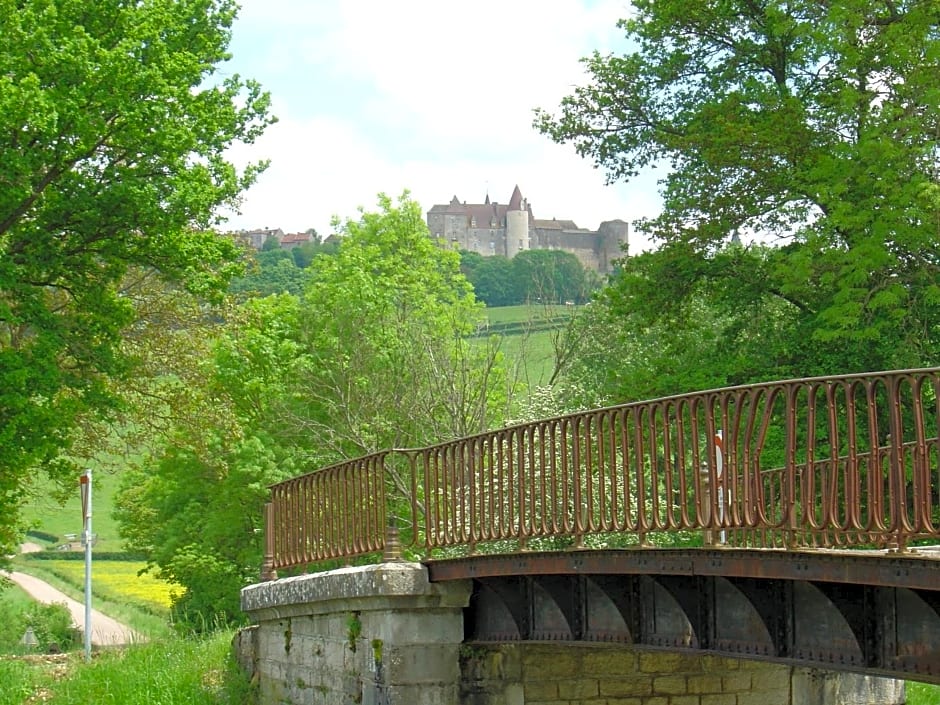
(473, 222)
(492, 246)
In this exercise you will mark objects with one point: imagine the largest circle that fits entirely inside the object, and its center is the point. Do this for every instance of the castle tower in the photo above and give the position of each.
(613, 241)
(517, 224)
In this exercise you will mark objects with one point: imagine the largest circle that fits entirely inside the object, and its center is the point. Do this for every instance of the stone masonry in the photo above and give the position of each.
(375, 635)
(384, 635)
(565, 674)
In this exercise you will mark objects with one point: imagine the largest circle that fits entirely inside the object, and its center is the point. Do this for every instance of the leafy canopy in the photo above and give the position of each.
(113, 128)
(808, 127)
(375, 354)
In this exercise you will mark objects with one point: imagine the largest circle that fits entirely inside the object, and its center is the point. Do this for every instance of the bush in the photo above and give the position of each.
(12, 626)
(52, 625)
(43, 536)
(53, 555)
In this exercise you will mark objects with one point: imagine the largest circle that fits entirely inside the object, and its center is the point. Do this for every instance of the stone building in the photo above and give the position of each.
(492, 228)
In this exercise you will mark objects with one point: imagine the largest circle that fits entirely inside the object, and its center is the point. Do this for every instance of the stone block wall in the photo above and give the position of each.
(565, 674)
(385, 635)
(376, 635)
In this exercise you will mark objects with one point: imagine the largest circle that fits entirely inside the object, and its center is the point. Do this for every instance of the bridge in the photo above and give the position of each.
(790, 522)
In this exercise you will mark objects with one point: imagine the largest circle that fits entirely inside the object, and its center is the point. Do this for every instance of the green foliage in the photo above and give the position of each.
(552, 277)
(275, 272)
(198, 519)
(183, 671)
(543, 276)
(43, 536)
(387, 360)
(18, 681)
(186, 671)
(491, 277)
(305, 254)
(52, 625)
(113, 130)
(922, 693)
(635, 342)
(805, 126)
(13, 605)
(378, 353)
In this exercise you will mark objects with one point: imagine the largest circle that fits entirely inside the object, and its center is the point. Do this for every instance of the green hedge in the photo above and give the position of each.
(43, 536)
(80, 556)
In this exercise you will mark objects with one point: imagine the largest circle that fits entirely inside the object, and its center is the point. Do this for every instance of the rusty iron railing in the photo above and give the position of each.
(842, 461)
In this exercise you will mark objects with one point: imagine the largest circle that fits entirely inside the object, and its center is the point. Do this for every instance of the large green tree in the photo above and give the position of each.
(386, 325)
(809, 127)
(376, 354)
(113, 129)
(193, 505)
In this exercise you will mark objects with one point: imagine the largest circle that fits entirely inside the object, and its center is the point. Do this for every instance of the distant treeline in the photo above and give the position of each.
(533, 276)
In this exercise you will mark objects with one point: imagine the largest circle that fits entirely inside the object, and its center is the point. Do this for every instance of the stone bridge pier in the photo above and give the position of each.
(385, 635)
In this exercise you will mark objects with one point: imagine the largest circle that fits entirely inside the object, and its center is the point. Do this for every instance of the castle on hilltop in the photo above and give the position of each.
(491, 228)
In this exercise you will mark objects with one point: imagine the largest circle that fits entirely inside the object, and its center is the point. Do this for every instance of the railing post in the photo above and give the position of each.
(392, 553)
(268, 572)
(705, 504)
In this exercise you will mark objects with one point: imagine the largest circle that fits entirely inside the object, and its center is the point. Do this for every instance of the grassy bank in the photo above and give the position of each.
(167, 672)
(63, 520)
(526, 334)
(142, 602)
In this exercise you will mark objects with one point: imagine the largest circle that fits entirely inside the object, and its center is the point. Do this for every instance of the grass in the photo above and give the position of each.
(530, 346)
(180, 671)
(114, 581)
(527, 313)
(20, 680)
(44, 512)
(116, 591)
(922, 693)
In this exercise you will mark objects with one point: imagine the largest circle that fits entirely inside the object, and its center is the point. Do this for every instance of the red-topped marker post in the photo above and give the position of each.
(85, 482)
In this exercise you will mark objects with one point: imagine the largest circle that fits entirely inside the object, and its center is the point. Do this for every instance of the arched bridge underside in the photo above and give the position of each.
(869, 612)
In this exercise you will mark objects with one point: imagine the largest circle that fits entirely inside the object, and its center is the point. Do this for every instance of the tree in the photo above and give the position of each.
(634, 343)
(552, 276)
(808, 127)
(271, 272)
(376, 354)
(194, 505)
(387, 323)
(492, 278)
(271, 244)
(304, 254)
(113, 130)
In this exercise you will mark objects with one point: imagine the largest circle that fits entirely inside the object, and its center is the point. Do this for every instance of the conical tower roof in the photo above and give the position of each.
(515, 202)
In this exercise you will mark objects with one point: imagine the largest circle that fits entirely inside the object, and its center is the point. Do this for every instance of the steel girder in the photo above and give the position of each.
(869, 613)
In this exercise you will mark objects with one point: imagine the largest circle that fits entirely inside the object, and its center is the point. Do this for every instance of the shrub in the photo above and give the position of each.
(43, 536)
(53, 555)
(12, 626)
(52, 625)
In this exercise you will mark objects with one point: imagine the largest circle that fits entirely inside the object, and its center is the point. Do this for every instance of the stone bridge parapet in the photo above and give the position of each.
(386, 635)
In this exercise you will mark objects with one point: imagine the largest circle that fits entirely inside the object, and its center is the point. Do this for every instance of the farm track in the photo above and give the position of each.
(105, 631)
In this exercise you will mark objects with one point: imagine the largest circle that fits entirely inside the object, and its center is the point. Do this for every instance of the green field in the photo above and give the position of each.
(526, 336)
(528, 313)
(46, 513)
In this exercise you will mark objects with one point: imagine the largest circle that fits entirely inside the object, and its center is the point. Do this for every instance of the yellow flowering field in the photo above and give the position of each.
(118, 581)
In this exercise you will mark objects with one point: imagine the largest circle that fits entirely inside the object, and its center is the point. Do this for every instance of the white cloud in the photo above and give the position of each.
(428, 95)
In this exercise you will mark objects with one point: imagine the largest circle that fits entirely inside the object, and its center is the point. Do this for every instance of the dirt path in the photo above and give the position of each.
(104, 630)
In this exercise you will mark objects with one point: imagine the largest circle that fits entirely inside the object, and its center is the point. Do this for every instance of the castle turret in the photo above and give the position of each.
(517, 224)
(613, 242)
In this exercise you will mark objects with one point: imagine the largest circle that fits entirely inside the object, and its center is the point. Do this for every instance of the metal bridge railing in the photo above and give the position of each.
(842, 461)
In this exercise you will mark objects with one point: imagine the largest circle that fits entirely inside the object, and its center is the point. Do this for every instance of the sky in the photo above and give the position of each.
(433, 96)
